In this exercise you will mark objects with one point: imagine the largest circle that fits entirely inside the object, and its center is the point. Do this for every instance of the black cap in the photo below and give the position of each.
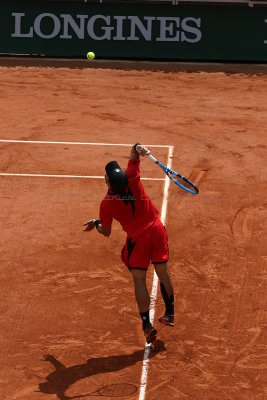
(117, 177)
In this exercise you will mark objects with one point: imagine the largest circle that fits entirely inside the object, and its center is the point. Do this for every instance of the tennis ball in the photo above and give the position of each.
(90, 55)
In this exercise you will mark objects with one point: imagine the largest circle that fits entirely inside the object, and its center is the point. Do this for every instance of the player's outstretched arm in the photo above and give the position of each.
(89, 225)
(95, 223)
(138, 149)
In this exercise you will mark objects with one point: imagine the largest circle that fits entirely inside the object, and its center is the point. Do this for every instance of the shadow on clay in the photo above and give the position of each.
(59, 381)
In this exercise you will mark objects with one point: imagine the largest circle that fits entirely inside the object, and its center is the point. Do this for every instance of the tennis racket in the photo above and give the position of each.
(114, 390)
(178, 179)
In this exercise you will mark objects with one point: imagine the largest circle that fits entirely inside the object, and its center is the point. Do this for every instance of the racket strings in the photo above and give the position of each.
(182, 181)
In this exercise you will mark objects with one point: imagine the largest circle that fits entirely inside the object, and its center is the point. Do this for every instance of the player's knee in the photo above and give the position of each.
(138, 275)
(161, 269)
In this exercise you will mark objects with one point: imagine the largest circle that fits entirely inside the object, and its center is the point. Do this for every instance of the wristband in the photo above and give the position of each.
(96, 222)
(135, 145)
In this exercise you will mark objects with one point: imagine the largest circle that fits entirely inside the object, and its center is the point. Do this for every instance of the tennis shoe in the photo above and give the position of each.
(150, 333)
(167, 319)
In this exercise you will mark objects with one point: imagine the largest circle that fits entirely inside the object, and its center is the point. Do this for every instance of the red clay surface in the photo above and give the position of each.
(66, 293)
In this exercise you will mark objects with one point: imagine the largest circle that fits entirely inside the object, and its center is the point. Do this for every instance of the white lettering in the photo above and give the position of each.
(102, 27)
(37, 25)
(17, 32)
(191, 29)
(146, 31)
(119, 32)
(107, 30)
(167, 25)
(69, 21)
(265, 41)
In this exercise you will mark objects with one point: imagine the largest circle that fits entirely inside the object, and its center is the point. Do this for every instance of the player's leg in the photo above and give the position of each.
(141, 292)
(159, 257)
(135, 255)
(167, 293)
(164, 277)
(143, 301)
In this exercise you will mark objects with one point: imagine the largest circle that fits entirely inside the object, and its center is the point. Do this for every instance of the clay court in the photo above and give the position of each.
(69, 321)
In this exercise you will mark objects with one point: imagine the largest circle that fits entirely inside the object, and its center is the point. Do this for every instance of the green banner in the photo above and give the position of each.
(117, 31)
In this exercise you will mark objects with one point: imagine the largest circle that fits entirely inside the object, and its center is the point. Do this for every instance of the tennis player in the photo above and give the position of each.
(146, 242)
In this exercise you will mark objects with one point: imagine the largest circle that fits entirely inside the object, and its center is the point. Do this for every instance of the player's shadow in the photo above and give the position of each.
(63, 377)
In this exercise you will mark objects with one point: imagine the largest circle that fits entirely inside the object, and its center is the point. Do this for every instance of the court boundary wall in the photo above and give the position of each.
(196, 31)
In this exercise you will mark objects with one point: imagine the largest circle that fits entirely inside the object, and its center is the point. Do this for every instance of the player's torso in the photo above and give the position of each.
(134, 211)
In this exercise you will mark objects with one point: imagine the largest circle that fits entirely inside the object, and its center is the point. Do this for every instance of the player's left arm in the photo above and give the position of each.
(95, 223)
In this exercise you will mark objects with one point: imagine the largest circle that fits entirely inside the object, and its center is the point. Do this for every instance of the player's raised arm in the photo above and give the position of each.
(138, 149)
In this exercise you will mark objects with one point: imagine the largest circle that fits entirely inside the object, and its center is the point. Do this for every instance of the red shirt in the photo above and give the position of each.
(135, 214)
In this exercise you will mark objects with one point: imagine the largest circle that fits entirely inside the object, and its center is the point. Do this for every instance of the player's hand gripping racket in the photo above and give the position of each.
(178, 179)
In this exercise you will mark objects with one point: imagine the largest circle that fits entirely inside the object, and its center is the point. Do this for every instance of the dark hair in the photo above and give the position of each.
(117, 177)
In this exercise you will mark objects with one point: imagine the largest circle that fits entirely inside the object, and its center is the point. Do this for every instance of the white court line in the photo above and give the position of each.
(72, 176)
(80, 143)
(89, 144)
(153, 296)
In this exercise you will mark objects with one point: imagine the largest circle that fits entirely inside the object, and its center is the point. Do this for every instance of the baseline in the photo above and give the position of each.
(80, 143)
(71, 176)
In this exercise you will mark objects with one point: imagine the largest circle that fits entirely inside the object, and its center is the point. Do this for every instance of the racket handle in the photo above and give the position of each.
(152, 158)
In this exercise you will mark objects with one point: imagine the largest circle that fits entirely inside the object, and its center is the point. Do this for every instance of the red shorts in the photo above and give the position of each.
(151, 246)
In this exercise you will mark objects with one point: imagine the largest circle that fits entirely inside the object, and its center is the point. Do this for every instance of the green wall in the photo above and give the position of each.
(184, 32)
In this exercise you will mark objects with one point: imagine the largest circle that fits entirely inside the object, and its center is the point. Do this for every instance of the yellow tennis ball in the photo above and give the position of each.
(90, 55)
